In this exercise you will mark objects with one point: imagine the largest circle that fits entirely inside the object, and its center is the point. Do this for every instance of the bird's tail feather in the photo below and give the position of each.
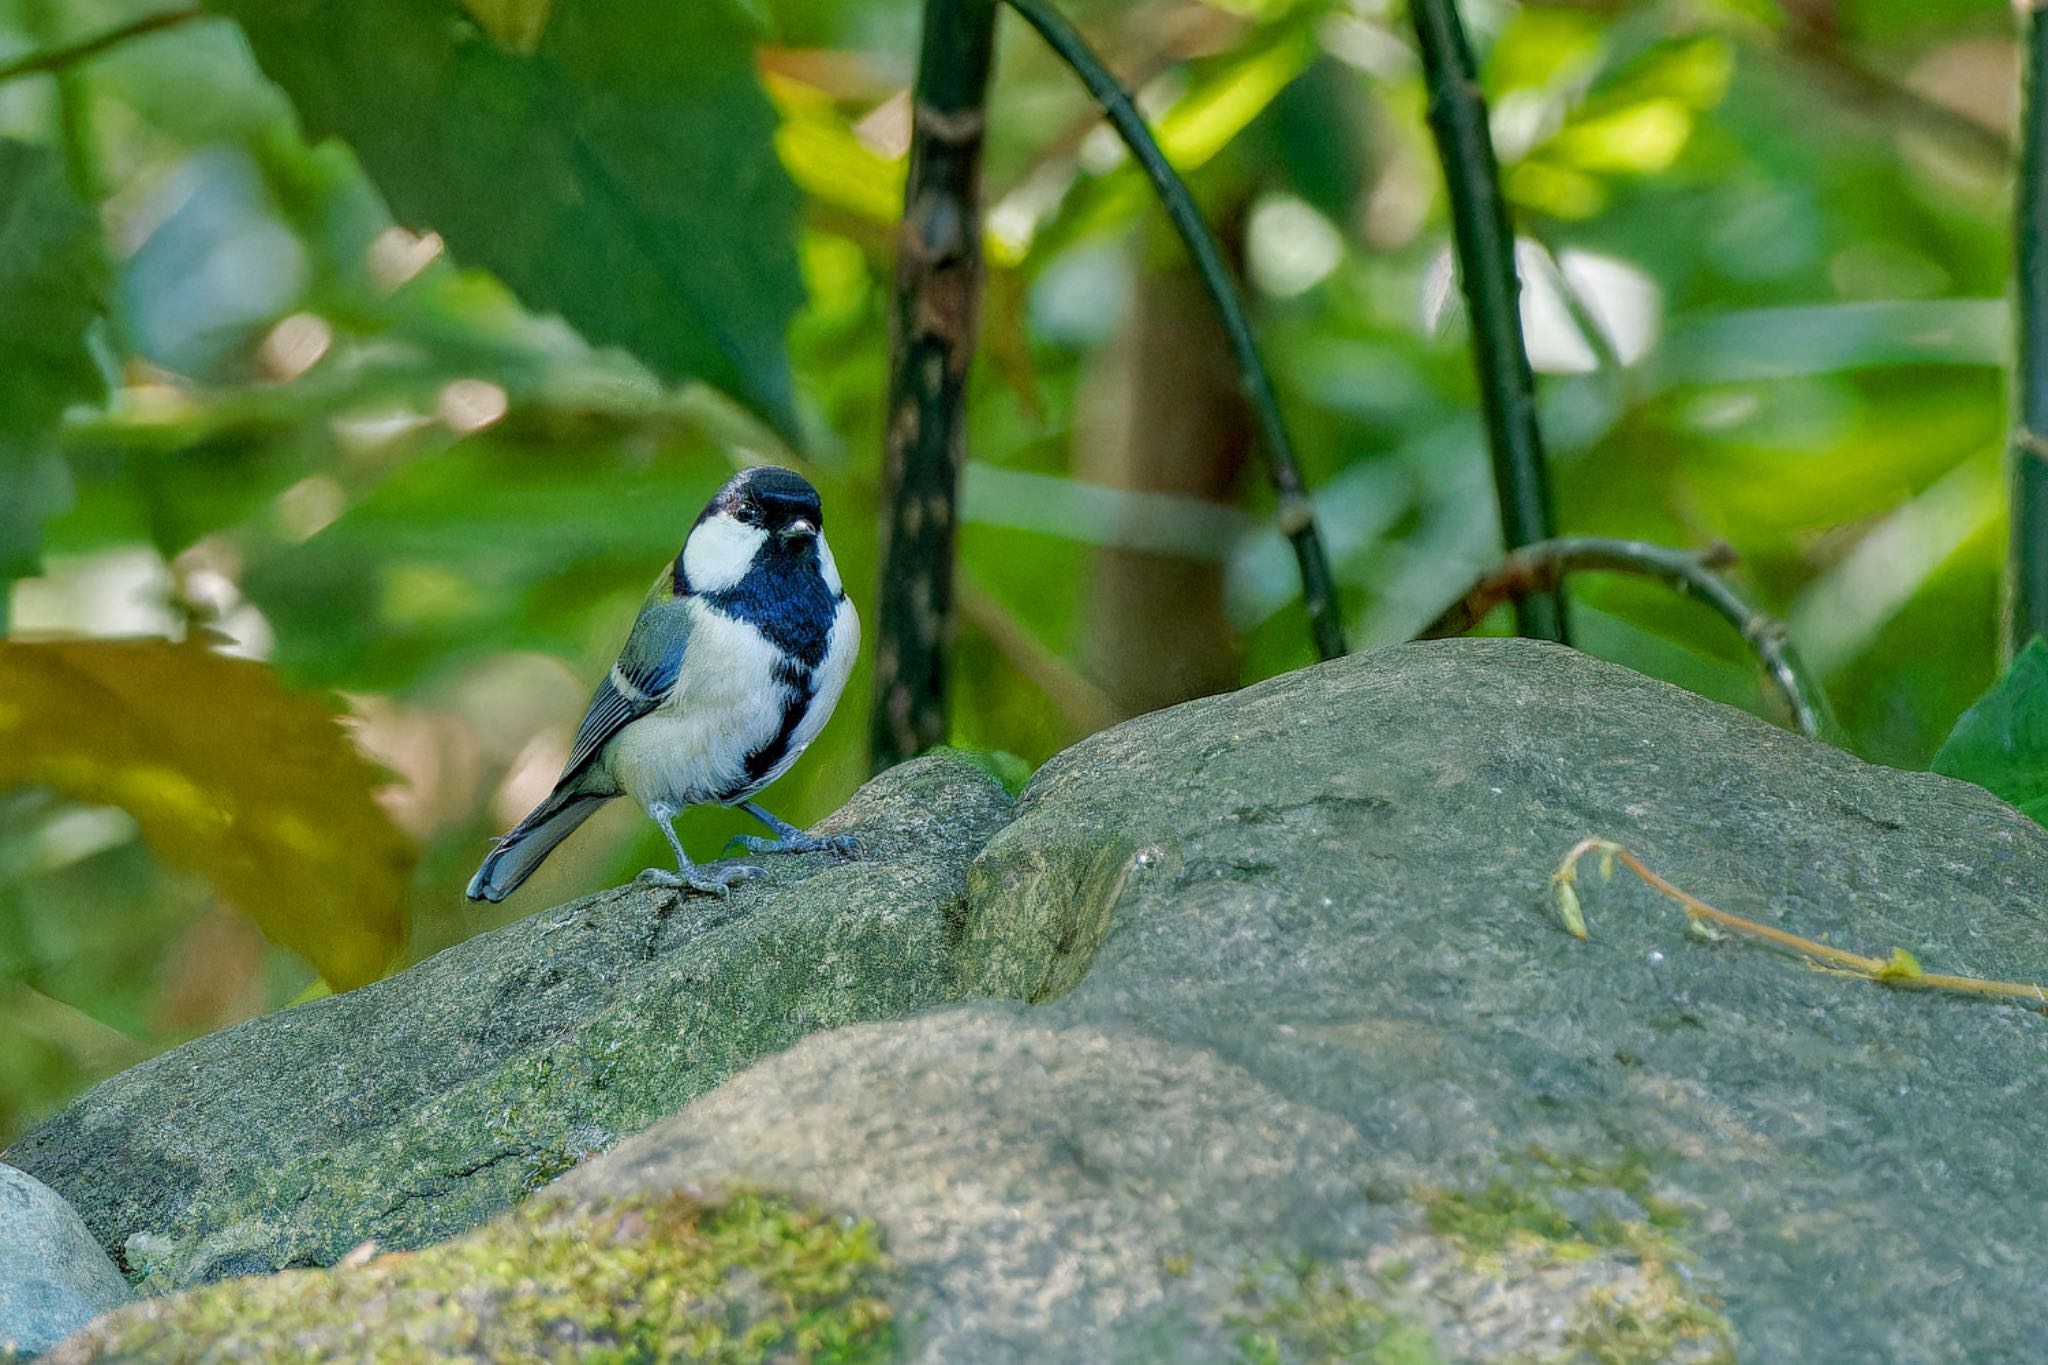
(530, 841)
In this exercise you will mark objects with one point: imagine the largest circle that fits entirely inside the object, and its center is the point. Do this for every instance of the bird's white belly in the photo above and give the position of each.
(724, 706)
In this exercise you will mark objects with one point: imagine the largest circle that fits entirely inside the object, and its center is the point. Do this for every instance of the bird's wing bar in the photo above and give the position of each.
(647, 668)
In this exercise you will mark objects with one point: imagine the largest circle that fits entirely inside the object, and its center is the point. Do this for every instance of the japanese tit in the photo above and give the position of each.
(738, 656)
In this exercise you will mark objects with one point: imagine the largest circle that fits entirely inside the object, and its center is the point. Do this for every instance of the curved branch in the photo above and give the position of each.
(60, 58)
(1296, 515)
(1541, 567)
(1486, 268)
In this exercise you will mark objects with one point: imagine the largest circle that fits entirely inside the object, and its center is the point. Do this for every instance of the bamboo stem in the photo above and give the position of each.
(1541, 567)
(1296, 514)
(932, 336)
(2027, 576)
(61, 58)
(1486, 267)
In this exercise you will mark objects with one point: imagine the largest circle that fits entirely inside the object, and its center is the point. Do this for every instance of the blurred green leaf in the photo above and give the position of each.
(623, 174)
(2001, 743)
(228, 775)
(51, 270)
(515, 24)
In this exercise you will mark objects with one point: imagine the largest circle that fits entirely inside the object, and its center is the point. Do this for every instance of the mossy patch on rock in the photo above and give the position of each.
(414, 1109)
(1592, 1244)
(740, 1277)
(1307, 1311)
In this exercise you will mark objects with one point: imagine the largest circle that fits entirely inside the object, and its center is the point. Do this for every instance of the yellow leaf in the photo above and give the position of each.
(229, 776)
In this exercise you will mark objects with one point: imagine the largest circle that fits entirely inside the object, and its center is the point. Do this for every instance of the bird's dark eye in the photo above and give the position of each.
(746, 515)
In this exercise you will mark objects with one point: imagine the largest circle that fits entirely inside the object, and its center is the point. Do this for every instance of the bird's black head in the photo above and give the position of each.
(763, 520)
(778, 501)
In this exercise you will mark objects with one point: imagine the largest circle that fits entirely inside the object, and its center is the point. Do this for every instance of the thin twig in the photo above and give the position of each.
(1084, 708)
(1296, 514)
(1539, 568)
(60, 58)
(1819, 47)
(931, 341)
(1900, 969)
(1486, 267)
(2027, 574)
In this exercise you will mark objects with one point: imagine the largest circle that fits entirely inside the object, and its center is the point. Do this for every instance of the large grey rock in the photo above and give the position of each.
(53, 1277)
(417, 1107)
(1320, 1076)
(1311, 1072)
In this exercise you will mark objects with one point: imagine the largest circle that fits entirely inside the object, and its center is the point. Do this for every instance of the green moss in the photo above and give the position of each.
(1307, 1313)
(1652, 1327)
(743, 1278)
(1519, 1222)
(1499, 1216)
(1523, 1205)
(1631, 1173)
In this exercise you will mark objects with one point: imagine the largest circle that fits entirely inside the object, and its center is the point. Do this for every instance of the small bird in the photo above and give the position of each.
(734, 665)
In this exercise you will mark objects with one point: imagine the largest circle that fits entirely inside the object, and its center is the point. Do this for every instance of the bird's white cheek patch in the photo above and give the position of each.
(828, 568)
(718, 553)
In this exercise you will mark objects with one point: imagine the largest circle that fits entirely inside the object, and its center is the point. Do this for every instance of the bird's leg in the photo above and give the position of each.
(789, 839)
(711, 881)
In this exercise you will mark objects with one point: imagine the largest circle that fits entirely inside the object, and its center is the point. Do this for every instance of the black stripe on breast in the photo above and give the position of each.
(785, 598)
(799, 686)
(762, 761)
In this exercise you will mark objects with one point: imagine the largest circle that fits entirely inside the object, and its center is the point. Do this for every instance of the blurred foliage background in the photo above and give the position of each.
(395, 345)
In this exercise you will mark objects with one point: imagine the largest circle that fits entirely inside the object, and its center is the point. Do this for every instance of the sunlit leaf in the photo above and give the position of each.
(1218, 109)
(1640, 139)
(228, 775)
(623, 174)
(828, 161)
(51, 268)
(2001, 743)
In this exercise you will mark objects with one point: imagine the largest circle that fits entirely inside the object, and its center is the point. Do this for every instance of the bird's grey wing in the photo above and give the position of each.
(647, 668)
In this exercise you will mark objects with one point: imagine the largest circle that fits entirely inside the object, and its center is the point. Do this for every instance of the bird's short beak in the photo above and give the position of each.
(802, 526)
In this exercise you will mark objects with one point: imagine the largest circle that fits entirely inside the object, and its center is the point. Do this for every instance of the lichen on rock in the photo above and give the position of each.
(739, 1277)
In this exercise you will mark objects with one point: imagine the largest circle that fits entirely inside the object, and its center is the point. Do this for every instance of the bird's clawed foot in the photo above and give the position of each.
(712, 881)
(796, 841)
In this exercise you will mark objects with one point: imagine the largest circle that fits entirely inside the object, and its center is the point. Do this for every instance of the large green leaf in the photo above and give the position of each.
(2001, 743)
(612, 162)
(51, 271)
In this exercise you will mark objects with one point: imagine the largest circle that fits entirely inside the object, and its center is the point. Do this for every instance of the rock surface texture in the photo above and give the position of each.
(1293, 1062)
(417, 1107)
(53, 1277)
